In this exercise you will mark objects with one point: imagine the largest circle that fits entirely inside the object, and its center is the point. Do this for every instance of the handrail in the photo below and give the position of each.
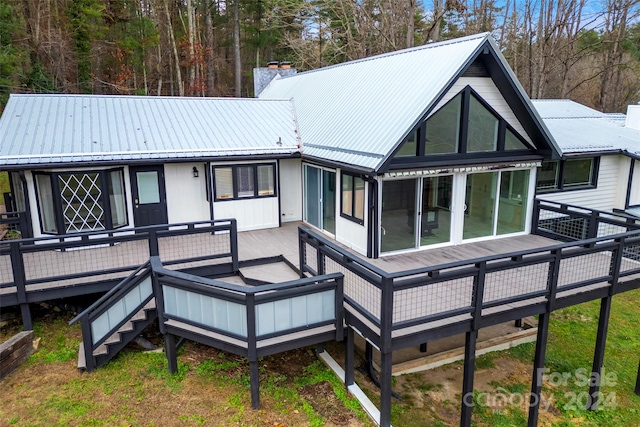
(111, 292)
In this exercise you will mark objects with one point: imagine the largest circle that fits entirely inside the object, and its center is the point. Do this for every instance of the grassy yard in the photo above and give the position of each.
(4, 186)
(136, 389)
(212, 388)
(503, 379)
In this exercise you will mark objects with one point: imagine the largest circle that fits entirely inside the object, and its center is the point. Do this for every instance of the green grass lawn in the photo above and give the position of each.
(572, 334)
(4, 186)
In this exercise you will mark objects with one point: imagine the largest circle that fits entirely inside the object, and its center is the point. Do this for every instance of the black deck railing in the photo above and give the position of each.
(393, 309)
(15, 221)
(40, 269)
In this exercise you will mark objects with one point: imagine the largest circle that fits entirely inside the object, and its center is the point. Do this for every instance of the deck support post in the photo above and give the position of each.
(518, 323)
(349, 359)
(423, 347)
(638, 381)
(598, 354)
(254, 374)
(467, 379)
(538, 369)
(27, 322)
(385, 389)
(172, 352)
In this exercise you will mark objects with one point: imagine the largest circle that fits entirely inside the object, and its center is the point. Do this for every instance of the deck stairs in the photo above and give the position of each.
(120, 338)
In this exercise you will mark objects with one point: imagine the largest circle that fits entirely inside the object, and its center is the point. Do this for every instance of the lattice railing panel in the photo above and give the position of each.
(357, 288)
(431, 299)
(584, 267)
(515, 282)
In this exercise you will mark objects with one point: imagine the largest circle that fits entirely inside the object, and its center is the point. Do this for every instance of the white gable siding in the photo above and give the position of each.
(186, 195)
(488, 91)
(604, 196)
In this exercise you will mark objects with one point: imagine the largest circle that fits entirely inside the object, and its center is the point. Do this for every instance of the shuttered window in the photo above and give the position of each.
(224, 183)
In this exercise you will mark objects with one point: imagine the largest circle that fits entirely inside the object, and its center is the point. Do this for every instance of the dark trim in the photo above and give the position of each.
(595, 173)
(463, 124)
(467, 159)
(344, 215)
(277, 190)
(234, 168)
(627, 199)
(209, 178)
(145, 162)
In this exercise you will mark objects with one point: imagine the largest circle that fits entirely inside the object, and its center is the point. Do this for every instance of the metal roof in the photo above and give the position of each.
(60, 129)
(580, 129)
(356, 113)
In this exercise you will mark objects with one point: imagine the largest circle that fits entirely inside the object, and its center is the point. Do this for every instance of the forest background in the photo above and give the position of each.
(585, 50)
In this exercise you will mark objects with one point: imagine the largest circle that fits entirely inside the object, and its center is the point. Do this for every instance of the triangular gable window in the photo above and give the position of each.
(465, 124)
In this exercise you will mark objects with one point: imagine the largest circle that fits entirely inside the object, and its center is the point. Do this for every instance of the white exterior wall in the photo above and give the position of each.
(488, 91)
(35, 209)
(605, 197)
(350, 233)
(251, 214)
(291, 189)
(186, 195)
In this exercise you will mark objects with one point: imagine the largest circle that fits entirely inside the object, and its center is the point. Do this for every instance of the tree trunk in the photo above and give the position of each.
(209, 49)
(236, 48)
(172, 40)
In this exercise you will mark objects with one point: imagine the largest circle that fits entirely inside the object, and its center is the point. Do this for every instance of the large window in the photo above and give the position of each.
(352, 198)
(570, 174)
(73, 202)
(237, 182)
(464, 125)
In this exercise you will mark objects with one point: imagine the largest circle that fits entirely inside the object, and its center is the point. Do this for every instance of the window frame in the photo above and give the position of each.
(234, 177)
(352, 190)
(560, 185)
(54, 182)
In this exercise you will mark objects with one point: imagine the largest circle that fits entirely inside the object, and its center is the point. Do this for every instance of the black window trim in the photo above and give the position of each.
(352, 218)
(57, 203)
(234, 167)
(465, 94)
(595, 171)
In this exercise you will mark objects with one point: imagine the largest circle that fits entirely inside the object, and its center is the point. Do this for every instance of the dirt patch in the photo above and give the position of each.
(325, 403)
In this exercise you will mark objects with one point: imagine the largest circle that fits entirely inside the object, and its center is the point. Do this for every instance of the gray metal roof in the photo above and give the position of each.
(357, 112)
(56, 129)
(580, 129)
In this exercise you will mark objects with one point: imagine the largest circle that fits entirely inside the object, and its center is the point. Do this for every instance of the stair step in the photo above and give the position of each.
(101, 350)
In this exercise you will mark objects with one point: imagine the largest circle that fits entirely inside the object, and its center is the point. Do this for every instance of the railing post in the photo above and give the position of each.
(339, 307)
(19, 278)
(386, 346)
(349, 377)
(302, 253)
(159, 296)
(252, 352)
(319, 259)
(536, 216)
(593, 225)
(153, 243)
(233, 240)
(638, 381)
(87, 344)
(616, 264)
(470, 346)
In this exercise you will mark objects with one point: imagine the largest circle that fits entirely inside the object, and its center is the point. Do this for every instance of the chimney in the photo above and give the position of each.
(262, 76)
(633, 117)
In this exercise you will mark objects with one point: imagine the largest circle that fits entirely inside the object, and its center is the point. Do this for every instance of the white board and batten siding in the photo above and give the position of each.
(607, 194)
(186, 195)
(350, 233)
(490, 93)
(291, 189)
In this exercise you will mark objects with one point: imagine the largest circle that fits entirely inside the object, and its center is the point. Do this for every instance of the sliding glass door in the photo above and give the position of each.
(320, 198)
(434, 210)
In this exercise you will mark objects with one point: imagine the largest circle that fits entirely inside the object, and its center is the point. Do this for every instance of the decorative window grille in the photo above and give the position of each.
(81, 198)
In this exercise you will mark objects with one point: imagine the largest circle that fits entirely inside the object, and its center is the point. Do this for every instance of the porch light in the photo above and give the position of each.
(195, 172)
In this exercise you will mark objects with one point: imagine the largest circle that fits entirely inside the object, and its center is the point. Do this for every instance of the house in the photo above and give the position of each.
(418, 149)
(599, 167)
(378, 164)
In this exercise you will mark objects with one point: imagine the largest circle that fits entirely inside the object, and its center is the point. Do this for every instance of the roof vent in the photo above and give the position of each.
(633, 117)
(272, 65)
(285, 65)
